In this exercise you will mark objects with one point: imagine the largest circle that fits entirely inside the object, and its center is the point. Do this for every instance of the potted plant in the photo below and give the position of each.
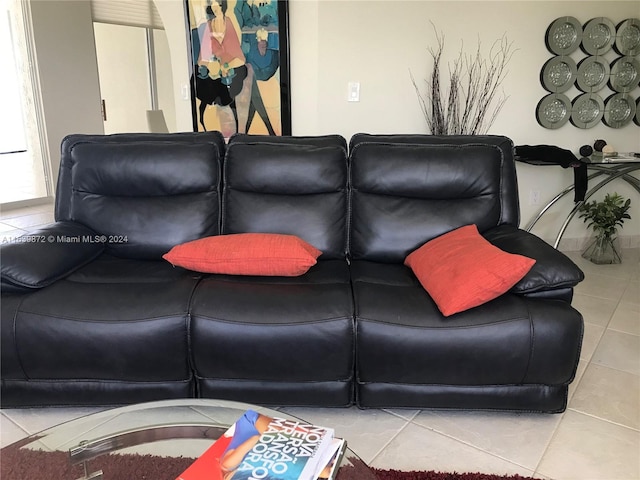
(605, 217)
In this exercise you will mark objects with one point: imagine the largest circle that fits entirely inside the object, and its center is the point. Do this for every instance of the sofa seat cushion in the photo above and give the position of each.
(112, 320)
(290, 335)
(109, 269)
(511, 340)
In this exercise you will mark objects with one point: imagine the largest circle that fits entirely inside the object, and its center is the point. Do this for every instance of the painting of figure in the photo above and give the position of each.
(240, 75)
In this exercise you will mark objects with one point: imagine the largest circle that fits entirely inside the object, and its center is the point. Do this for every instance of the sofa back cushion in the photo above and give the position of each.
(313, 140)
(291, 185)
(144, 192)
(409, 189)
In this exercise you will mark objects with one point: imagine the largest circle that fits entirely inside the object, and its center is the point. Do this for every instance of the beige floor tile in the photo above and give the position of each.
(618, 350)
(592, 336)
(573, 386)
(9, 432)
(28, 221)
(631, 255)
(405, 413)
(622, 270)
(20, 212)
(418, 448)
(5, 227)
(635, 275)
(609, 394)
(367, 431)
(34, 420)
(632, 293)
(602, 286)
(626, 318)
(596, 311)
(589, 448)
(629, 267)
(106, 424)
(520, 438)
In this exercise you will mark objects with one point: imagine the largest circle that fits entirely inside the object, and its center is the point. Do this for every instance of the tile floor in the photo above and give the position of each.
(598, 437)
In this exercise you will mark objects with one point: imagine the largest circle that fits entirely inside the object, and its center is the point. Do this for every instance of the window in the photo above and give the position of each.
(23, 166)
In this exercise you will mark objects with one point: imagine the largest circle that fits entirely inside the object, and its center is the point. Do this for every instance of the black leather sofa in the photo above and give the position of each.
(91, 313)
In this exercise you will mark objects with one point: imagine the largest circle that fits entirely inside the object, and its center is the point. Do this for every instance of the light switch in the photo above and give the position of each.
(354, 92)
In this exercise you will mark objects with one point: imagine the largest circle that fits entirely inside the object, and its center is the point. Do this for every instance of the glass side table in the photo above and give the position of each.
(605, 170)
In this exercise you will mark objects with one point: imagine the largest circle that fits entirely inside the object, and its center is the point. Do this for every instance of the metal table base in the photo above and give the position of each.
(612, 170)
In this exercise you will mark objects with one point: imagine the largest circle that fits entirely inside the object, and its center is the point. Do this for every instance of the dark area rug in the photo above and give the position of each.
(430, 475)
(24, 464)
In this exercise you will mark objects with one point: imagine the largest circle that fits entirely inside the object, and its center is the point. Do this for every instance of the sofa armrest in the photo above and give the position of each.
(38, 259)
(552, 270)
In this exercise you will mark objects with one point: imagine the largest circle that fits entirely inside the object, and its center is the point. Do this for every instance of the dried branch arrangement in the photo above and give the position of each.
(475, 96)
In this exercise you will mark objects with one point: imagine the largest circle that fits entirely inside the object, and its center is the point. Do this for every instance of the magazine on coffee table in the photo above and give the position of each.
(332, 460)
(268, 448)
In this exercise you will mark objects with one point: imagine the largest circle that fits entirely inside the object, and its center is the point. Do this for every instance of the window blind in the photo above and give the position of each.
(134, 13)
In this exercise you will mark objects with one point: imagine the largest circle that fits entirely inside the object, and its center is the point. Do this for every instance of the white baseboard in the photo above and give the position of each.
(579, 243)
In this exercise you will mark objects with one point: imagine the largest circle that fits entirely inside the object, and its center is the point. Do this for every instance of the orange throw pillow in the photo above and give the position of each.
(266, 254)
(462, 270)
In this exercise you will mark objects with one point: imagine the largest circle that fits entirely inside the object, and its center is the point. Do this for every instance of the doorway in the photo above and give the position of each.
(136, 84)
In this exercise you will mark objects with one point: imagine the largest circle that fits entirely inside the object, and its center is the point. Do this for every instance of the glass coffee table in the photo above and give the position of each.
(156, 440)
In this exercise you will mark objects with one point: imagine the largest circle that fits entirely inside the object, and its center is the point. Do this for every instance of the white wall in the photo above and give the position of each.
(172, 13)
(378, 43)
(164, 79)
(68, 70)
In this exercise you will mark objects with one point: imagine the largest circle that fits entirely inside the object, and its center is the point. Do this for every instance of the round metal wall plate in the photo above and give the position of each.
(625, 74)
(598, 36)
(553, 111)
(559, 74)
(564, 35)
(587, 110)
(628, 37)
(619, 110)
(593, 74)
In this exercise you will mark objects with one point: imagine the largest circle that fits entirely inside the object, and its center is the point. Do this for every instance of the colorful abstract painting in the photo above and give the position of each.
(240, 66)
